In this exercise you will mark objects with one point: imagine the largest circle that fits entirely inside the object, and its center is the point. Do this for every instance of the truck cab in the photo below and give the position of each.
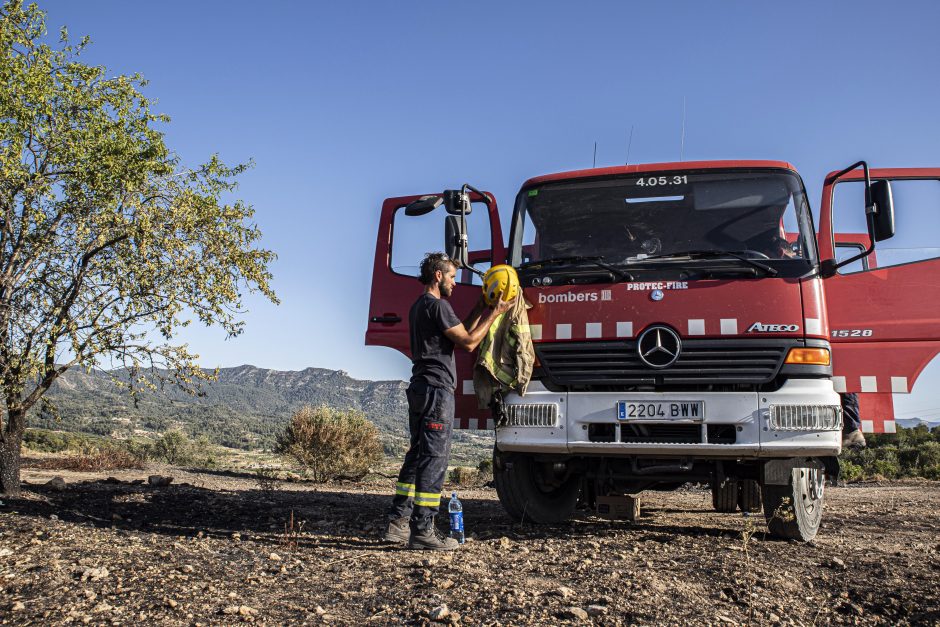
(689, 324)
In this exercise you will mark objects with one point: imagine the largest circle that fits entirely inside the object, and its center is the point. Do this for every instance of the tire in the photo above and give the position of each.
(525, 495)
(794, 511)
(725, 496)
(749, 495)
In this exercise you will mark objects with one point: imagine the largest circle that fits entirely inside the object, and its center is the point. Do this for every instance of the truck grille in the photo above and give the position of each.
(661, 434)
(701, 362)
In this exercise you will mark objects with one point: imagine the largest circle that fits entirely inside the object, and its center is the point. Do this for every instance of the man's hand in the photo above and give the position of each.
(502, 306)
(469, 340)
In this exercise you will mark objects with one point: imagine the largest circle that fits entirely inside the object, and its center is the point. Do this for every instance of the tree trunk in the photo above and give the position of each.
(10, 456)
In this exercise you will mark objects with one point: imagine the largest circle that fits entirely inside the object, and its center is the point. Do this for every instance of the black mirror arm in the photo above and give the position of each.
(828, 268)
(485, 198)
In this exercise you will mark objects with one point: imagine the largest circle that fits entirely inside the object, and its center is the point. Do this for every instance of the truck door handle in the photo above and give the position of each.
(386, 319)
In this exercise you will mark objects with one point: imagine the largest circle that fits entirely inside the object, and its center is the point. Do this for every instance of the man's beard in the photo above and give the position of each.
(444, 289)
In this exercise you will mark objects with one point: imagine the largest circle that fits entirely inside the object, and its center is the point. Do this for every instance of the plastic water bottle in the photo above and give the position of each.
(455, 509)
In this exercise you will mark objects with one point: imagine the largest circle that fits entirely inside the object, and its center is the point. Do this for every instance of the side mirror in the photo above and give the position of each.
(425, 204)
(455, 242)
(457, 202)
(883, 219)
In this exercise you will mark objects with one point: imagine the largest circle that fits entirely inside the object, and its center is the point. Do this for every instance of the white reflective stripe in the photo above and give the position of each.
(869, 384)
(838, 384)
(868, 426)
(624, 329)
(490, 424)
(562, 331)
(890, 427)
(696, 327)
(468, 386)
(474, 423)
(729, 326)
(456, 422)
(592, 329)
(813, 326)
(899, 385)
(536, 331)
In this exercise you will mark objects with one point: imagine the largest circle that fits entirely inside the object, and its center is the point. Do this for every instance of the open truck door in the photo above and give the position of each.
(883, 317)
(402, 241)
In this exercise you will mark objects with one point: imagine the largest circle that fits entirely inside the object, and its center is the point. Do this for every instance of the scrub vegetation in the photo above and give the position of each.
(330, 443)
(908, 453)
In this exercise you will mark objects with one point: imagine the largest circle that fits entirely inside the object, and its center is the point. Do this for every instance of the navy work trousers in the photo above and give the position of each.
(851, 420)
(431, 422)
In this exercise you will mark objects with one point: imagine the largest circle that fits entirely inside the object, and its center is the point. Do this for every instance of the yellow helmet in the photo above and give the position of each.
(500, 280)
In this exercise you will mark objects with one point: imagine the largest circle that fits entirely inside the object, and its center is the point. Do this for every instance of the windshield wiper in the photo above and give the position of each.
(596, 260)
(712, 254)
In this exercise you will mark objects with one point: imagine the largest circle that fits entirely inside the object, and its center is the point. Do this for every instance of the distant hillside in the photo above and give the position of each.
(246, 407)
(910, 423)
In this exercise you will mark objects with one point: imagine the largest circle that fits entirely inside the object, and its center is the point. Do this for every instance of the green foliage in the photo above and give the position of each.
(464, 476)
(907, 453)
(176, 448)
(485, 469)
(44, 441)
(108, 244)
(173, 447)
(331, 443)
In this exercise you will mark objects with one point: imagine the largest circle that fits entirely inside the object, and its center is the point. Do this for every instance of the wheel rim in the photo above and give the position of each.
(813, 483)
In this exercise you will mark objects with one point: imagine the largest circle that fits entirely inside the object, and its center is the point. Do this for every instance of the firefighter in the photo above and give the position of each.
(435, 331)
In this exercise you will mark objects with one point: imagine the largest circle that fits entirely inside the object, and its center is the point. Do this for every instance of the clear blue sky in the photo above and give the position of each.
(342, 104)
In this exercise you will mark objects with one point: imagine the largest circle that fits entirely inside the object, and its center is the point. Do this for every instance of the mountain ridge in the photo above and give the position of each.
(246, 406)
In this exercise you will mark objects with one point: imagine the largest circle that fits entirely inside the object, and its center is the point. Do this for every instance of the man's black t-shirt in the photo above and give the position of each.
(431, 351)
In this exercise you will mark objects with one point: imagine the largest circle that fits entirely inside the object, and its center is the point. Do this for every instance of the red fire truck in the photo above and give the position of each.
(690, 324)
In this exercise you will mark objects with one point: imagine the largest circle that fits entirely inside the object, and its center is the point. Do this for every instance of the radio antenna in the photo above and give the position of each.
(595, 155)
(682, 141)
(629, 144)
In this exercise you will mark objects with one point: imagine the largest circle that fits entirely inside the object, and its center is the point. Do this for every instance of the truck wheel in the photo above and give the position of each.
(725, 496)
(749, 497)
(528, 493)
(794, 511)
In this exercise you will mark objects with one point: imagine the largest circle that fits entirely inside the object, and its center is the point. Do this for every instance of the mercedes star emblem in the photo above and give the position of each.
(659, 347)
(656, 295)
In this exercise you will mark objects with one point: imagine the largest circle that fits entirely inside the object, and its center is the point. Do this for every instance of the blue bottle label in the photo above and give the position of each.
(456, 521)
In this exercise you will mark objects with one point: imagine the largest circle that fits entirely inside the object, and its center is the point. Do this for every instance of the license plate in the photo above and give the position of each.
(661, 410)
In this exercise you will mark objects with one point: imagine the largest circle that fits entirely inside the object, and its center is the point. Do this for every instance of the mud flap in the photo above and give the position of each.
(779, 471)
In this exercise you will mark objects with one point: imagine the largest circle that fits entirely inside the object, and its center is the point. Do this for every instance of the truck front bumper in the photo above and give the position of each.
(568, 423)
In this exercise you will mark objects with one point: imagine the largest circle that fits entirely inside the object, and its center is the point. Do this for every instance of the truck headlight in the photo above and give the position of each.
(805, 417)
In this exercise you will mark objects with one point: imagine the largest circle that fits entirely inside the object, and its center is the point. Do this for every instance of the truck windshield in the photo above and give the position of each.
(642, 219)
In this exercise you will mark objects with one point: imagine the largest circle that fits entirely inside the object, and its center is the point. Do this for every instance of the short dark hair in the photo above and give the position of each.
(433, 262)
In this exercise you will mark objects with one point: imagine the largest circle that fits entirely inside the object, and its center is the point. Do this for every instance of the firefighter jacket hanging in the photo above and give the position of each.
(506, 356)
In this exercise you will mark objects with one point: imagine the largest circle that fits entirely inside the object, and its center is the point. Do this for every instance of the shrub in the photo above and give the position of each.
(464, 476)
(331, 443)
(908, 453)
(55, 441)
(173, 447)
(850, 472)
(177, 448)
(485, 468)
(107, 458)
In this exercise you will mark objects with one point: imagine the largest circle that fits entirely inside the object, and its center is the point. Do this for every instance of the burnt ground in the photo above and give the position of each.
(212, 549)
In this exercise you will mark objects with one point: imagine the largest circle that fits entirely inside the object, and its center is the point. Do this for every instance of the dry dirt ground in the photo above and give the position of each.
(211, 549)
